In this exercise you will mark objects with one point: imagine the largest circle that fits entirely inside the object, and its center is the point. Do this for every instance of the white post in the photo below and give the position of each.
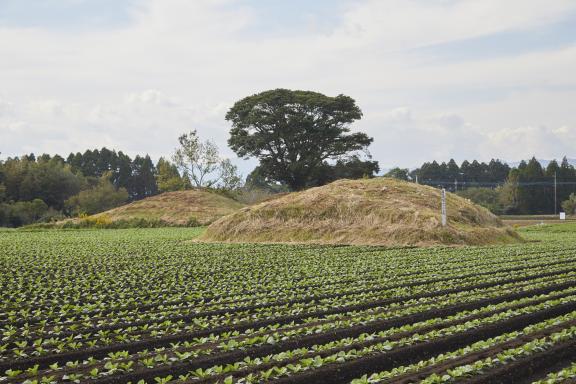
(443, 207)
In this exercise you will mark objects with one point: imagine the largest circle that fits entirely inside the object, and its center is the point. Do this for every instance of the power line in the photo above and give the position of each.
(465, 184)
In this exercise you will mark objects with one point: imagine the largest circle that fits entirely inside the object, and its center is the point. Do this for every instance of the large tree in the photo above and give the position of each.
(293, 133)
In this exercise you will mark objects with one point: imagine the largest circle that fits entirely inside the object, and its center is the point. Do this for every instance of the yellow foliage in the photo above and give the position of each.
(100, 221)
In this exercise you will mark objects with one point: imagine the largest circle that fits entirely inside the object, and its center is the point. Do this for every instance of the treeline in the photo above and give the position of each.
(469, 174)
(48, 188)
(137, 176)
(526, 189)
(39, 189)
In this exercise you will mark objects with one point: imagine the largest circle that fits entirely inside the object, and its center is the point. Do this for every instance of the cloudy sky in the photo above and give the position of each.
(435, 78)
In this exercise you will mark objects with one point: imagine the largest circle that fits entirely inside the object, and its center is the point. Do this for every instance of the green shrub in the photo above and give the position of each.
(486, 197)
(101, 198)
(193, 222)
(569, 205)
(22, 212)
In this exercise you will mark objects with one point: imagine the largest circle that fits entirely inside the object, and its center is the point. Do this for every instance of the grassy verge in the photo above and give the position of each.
(104, 222)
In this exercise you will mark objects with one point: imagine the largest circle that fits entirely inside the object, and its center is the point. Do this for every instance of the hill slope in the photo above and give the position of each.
(378, 211)
(177, 207)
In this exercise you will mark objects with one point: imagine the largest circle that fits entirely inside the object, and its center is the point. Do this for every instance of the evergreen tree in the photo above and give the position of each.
(123, 175)
(453, 171)
(531, 194)
(497, 171)
(143, 180)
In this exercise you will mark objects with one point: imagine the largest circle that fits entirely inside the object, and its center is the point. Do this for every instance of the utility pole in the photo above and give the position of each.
(555, 194)
(455, 185)
(443, 194)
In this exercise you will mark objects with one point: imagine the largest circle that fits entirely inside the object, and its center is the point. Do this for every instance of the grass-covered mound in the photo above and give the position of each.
(177, 208)
(378, 211)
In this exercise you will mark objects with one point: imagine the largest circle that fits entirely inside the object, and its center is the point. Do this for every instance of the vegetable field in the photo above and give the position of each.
(151, 306)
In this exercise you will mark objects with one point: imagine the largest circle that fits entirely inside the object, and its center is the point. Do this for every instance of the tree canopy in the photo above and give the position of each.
(42, 188)
(202, 163)
(294, 133)
(168, 177)
(100, 198)
(398, 173)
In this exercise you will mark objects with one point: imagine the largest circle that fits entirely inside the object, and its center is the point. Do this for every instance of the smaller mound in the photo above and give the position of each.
(378, 211)
(178, 208)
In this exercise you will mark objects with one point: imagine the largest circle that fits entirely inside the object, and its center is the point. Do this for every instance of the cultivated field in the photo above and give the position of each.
(526, 220)
(150, 306)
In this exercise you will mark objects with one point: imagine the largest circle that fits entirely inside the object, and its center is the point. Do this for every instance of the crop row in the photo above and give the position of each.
(214, 346)
(147, 306)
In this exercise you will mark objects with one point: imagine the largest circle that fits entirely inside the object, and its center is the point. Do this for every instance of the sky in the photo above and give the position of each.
(435, 79)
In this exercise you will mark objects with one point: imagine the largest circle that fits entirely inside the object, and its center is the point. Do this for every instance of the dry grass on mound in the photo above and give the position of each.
(177, 207)
(378, 211)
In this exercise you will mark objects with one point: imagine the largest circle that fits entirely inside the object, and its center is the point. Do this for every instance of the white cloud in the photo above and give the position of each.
(146, 122)
(527, 141)
(398, 116)
(181, 65)
(152, 97)
(6, 107)
(402, 24)
(409, 138)
(452, 121)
